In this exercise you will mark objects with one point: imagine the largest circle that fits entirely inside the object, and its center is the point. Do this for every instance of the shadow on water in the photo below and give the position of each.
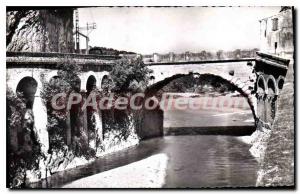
(101, 164)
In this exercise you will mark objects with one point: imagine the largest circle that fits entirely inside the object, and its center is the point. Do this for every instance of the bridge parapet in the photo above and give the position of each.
(50, 60)
(272, 60)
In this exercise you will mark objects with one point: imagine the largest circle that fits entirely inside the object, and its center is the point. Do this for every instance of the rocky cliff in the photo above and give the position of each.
(40, 30)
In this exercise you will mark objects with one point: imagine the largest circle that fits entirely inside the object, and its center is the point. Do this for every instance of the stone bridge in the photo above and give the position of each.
(259, 79)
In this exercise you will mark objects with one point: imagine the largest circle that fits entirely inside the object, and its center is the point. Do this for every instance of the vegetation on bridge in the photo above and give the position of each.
(27, 156)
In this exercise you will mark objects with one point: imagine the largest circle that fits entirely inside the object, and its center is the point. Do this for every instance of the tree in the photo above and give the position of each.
(220, 54)
(237, 53)
(130, 75)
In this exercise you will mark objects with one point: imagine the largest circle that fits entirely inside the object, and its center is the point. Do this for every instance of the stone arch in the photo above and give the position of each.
(236, 82)
(106, 82)
(50, 75)
(261, 91)
(152, 120)
(91, 114)
(15, 79)
(271, 99)
(35, 117)
(104, 76)
(84, 78)
(91, 83)
(272, 85)
(280, 82)
(27, 88)
(261, 85)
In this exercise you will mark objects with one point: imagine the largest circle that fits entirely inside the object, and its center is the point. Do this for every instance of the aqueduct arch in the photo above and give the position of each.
(27, 88)
(91, 83)
(30, 85)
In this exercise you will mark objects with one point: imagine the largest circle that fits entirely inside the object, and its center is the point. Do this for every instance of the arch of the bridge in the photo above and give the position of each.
(240, 86)
(268, 89)
(26, 89)
(39, 109)
(84, 76)
(261, 85)
(103, 77)
(271, 99)
(280, 82)
(14, 79)
(29, 82)
(272, 85)
(91, 83)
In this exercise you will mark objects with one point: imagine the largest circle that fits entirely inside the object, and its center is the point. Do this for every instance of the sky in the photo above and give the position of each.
(148, 30)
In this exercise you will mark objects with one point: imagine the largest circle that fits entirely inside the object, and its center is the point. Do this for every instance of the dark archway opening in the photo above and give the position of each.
(280, 84)
(91, 83)
(75, 122)
(220, 107)
(271, 102)
(106, 83)
(90, 87)
(261, 95)
(27, 88)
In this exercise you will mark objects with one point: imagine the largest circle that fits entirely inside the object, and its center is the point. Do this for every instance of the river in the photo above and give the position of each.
(168, 162)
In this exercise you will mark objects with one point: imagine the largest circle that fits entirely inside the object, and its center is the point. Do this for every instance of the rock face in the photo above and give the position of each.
(40, 31)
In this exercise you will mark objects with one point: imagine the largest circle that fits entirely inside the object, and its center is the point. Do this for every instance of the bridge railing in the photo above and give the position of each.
(200, 62)
(61, 55)
(49, 60)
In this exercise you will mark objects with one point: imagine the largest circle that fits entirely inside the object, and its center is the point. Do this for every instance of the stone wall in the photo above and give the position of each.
(277, 166)
(152, 124)
(277, 144)
(40, 30)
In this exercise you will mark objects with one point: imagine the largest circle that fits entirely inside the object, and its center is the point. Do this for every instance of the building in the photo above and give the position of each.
(276, 33)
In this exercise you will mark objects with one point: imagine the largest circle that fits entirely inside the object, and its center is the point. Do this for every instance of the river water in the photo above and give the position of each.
(169, 162)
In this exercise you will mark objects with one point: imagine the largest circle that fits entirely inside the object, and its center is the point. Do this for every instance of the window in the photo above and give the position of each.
(275, 24)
